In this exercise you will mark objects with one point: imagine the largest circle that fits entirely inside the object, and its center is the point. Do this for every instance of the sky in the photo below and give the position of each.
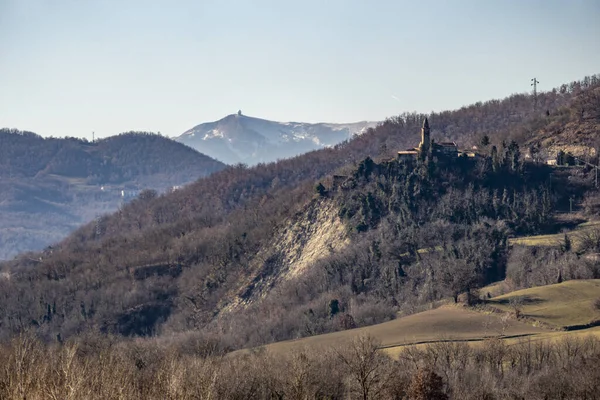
(73, 67)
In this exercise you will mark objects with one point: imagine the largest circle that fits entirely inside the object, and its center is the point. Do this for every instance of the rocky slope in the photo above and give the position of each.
(573, 130)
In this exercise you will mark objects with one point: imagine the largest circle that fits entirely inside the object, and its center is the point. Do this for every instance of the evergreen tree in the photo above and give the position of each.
(495, 159)
(560, 158)
(485, 141)
(320, 189)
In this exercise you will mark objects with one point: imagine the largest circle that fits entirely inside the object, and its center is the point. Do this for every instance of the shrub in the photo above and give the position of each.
(597, 304)
(426, 385)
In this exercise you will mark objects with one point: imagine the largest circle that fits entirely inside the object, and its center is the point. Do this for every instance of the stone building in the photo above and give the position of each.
(428, 146)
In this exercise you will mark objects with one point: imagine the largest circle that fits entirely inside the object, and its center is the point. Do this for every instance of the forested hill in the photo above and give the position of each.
(123, 158)
(189, 258)
(50, 186)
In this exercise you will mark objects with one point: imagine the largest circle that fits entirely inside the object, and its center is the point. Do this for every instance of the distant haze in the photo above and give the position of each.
(73, 67)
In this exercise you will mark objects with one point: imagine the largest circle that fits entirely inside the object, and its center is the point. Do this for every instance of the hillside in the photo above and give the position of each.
(444, 323)
(244, 244)
(557, 239)
(564, 305)
(50, 186)
(128, 157)
(238, 138)
(574, 130)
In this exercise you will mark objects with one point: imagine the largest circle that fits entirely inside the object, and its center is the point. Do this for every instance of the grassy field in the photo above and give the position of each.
(561, 305)
(552, 336)
(555, 239)
(444, 323)
(556, 306)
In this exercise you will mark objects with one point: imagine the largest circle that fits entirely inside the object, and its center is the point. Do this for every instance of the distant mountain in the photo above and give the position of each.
(248, 256)
(127, 157)
(239, 138)
(49, 186)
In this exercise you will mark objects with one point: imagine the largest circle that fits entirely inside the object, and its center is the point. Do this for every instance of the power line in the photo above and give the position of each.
(534, 83)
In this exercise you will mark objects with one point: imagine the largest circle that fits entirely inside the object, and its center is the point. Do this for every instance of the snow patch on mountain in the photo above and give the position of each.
(239, 138)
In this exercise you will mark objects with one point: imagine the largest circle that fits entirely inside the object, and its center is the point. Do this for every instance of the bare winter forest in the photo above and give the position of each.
(173, 295)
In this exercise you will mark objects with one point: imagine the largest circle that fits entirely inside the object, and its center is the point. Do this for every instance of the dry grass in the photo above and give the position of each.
(495, 289)
(560, 305)
(546, 337)
(557, 336)
(555, 239)
(538, 240)
(566, 304)
(444, 323)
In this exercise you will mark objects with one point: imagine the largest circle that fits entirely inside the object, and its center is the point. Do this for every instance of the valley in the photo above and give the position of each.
(299, 200)
(470, 245)
(49, 187)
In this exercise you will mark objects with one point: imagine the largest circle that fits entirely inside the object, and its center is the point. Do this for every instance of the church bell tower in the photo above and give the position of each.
(425, 144)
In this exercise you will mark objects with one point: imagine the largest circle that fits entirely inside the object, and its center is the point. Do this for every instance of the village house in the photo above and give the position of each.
(446, 149)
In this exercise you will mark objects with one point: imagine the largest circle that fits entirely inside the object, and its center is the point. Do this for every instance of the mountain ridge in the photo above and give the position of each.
(238, 138)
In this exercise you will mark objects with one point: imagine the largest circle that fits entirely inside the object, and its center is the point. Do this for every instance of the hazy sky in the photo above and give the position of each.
(70, 67)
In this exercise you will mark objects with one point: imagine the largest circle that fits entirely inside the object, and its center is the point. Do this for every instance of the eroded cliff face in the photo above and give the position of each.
(309, 236)
(312, 236)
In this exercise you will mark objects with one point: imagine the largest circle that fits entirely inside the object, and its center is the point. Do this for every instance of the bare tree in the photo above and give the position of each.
(516, 304)
(366, 367)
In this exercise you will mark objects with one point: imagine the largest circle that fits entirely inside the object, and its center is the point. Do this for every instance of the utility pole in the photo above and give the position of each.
(571, 204)
(93, 137)
(98, 231)
(534, 83)
(596, 167)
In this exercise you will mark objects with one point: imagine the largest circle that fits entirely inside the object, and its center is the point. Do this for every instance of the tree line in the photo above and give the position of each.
(99, 368)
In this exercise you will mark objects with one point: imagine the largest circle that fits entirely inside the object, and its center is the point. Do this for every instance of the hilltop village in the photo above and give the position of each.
(428, 146)
(446, 151)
